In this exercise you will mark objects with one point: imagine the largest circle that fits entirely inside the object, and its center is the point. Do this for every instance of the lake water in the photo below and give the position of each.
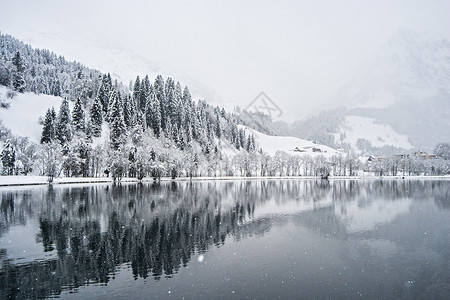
(289, 239)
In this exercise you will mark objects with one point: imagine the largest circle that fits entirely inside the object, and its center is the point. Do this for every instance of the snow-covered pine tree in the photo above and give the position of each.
(188, 136)
(137, 89)
(63, 124)
(78, 118)
(173, 102)
(144, 93)
(250, 144)
(116, 122)
(242, 141)
(234, 136)
(131, 113)
(194, 121)
(83, 150)
(218, 127)
(159, 87)
(18, 76)
(88, 130)
(175, 134)
(96, 118)
(18, 62)
(178, 111)
(132, 162)
(156, 118)
(168, 129)
(48, 130)
(186, 98)
(126, 111)
(103, 92)
(149, 111)
(8, 158)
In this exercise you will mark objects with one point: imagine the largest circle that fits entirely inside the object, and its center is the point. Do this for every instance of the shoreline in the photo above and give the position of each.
(6, 181)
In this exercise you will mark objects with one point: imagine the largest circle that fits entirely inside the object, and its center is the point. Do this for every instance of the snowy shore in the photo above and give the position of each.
(43, 180)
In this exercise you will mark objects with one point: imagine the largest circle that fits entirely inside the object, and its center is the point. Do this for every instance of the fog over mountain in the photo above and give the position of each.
(300, 53)
(406, 87)
(398, 99)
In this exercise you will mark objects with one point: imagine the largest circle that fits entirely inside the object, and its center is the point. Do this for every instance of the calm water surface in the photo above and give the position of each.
(230, 240)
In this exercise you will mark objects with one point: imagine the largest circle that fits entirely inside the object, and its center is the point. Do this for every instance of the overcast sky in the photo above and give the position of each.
(297, 52)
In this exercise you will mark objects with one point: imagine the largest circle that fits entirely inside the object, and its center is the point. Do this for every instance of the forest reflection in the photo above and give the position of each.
(156, 228)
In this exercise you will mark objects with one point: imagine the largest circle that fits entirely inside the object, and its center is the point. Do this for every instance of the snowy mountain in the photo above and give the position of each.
(409, 66)
(405, 88)
(377, 134)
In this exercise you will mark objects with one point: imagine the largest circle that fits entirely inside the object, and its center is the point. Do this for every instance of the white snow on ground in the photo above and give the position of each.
(271, 144)
(25, 180)
(379, 135)
(22, 117)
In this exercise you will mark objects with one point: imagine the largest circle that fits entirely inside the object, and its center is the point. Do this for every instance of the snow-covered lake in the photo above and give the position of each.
(259, 239)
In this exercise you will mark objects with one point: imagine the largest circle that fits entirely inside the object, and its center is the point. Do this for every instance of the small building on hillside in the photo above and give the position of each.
(424, 155)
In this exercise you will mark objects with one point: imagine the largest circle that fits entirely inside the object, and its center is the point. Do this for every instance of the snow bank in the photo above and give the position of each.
(22, 117)
(379, 135)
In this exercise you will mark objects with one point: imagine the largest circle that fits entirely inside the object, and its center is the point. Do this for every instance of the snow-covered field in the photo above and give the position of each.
(9, 181)
(292, 145)
(22, 117)
(378, 135)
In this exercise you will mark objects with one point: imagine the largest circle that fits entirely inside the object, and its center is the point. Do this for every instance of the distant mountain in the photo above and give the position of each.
(409, 66)
(401, 99)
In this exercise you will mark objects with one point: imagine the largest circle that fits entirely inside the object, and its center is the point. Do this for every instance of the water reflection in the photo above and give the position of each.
(83, 235)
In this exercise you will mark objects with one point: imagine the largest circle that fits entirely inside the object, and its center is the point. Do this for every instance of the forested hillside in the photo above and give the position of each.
(112, 127)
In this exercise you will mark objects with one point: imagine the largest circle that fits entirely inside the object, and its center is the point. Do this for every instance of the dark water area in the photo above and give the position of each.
(290, 239)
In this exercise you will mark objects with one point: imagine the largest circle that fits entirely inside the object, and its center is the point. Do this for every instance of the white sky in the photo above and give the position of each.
(297, 52)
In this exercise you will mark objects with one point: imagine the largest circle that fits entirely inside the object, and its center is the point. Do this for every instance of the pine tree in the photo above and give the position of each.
(178, 113)
(18, 76)
(48, 131)
(103, 92)
(8, 158)
(187, 99)
(188, 136)
(242, 141)
(137, 89)
(131, 113)
(234, 136)
(144, 93)
(126, 111)
(156, 117)
(172, 105)
(83, 151)
(78, 119)
(96, 118)
(63, 124)
(218, 128)
(117, 123)
(251, 144)
(161, 98)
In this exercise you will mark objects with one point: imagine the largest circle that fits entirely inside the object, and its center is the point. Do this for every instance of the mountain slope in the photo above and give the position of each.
(292, 145)
(22, 117)
(406, 88)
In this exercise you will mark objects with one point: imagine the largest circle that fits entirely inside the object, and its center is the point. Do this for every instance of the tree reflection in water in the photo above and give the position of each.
(156, 228)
